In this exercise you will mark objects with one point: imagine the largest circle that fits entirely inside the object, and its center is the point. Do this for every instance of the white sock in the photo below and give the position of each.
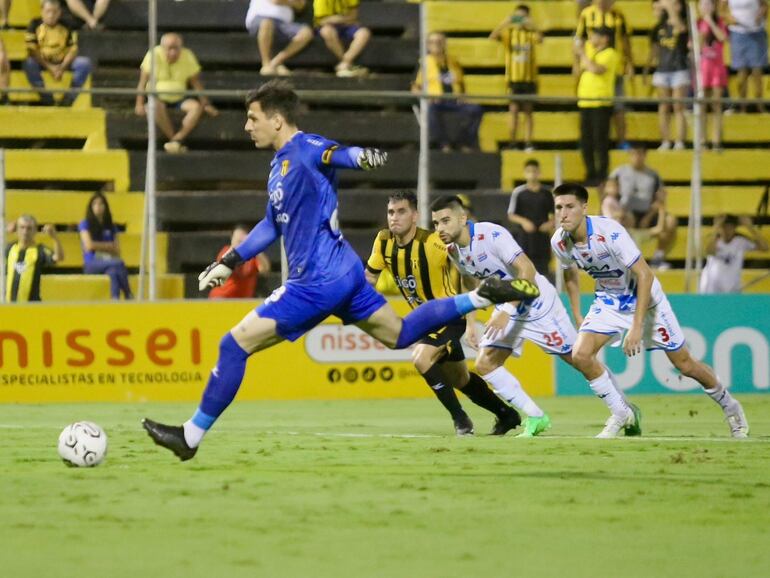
(193, 434)
(605, 390)
(478, 302)
(720, 395)
(508, 387)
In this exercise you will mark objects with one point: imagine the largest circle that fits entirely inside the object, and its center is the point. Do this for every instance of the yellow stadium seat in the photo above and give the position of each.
(19, 80)
(26, 122)
(22, 11)
(68, 208)
(562, 85)
(483, 16)
(130, 249)
(715, 200)
(555, 51)
(64, 165)
(679, 250)
(738, 165)
(15, 48)
(97, 287)
(565, 127)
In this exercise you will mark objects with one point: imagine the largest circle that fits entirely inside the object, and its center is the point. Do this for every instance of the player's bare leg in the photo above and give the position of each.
(705, 376)
(624, 416)
(252, 334)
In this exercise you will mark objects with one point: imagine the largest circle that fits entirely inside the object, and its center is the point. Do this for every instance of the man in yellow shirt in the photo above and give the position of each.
(338, 25)
(598, 63)
(445, 76)
(176, 68)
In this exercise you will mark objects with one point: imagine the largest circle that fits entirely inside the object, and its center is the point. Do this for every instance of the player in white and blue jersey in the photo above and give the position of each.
(483, 250)
(629, 299)
(326, 277)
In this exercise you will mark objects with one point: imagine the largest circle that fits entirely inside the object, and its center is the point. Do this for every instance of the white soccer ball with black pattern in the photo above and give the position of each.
(83, 444)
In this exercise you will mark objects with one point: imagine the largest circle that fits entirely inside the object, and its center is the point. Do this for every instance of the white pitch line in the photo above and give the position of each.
(545, 437)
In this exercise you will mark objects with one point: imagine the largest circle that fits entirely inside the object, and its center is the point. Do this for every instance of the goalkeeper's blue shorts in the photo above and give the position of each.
(298, 308)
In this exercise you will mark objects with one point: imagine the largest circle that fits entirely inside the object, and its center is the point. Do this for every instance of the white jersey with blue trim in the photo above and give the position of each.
(492, 251)
(607, 256)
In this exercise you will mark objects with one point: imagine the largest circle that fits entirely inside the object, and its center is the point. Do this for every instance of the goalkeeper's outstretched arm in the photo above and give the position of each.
(259, 239)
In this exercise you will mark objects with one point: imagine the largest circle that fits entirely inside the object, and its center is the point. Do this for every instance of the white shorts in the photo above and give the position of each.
(671, 79)
(554, 333)
(661, 329)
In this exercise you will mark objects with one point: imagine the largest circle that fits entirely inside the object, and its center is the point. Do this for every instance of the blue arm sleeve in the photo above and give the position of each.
(342, 157)
(260, 238)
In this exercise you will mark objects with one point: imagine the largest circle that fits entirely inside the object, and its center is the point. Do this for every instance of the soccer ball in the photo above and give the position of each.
(83, 444)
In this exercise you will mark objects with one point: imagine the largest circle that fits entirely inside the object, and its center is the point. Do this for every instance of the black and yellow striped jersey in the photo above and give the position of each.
(592, 17)
(520, 56)
(421, 268)
(52, 42)
(24, 267)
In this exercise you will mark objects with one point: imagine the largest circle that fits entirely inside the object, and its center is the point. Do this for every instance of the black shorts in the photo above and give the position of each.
(449, 334)
(522, 88)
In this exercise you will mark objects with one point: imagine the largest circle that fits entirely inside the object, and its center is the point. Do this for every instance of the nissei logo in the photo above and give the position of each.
(345, 343)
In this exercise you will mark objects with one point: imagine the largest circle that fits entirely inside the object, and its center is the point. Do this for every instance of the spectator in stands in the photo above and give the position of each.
(712, 30)
(176, 68)
(101, 249)
(531, 209)
(643, 199)
(5, 73)
(5, 8)
(669, 40)
(242, 284)
(92, 14)
(264, 19)
(748, 44)
(602, 14)
(51, 46)
(725, 249)
(520, 37)
(445, 76)
(611, 207)
(25, 259)
(337, 23)
(599, 63)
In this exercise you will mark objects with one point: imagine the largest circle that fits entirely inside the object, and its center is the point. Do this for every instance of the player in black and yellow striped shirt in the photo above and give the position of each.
(520, 38)
(420, 265)
(25, 260)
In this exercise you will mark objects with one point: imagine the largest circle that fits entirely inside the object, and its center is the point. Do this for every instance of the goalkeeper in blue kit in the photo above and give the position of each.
(326, 277)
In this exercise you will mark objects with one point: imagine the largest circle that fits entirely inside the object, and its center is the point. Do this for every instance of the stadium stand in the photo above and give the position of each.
(86, 149)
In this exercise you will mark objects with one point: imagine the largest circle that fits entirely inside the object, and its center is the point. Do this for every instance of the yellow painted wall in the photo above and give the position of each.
(164, 351)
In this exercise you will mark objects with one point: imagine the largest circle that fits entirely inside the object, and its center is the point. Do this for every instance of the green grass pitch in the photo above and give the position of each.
(383, 488)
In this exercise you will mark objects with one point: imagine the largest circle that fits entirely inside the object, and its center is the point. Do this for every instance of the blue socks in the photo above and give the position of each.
(224, 382)
(430, 316)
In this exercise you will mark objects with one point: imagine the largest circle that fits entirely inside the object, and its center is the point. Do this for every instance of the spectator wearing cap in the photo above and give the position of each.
(596, 88)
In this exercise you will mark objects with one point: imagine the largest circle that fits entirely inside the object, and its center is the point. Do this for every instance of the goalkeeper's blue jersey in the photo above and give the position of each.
(303, 208)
